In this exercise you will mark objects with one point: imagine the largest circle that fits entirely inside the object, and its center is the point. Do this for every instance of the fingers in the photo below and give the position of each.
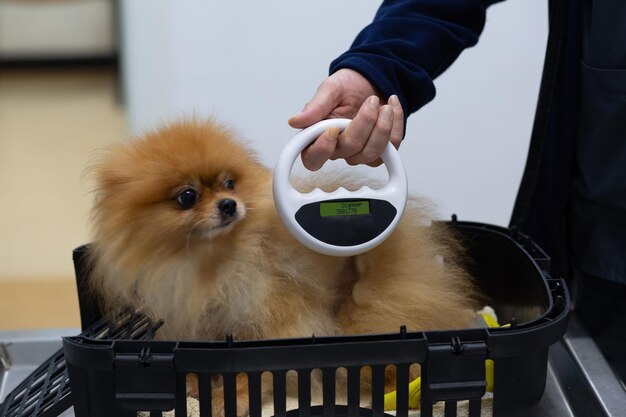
(320, 151)
(363, 140)
(389, 127)
(357, 133)
(397, 131)
(326, 98)
(377, 141)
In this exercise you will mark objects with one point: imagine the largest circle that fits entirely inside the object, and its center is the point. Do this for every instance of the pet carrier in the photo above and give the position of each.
(116, 370)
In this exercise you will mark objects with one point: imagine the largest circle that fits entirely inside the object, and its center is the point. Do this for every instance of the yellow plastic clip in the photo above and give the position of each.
(415, 386)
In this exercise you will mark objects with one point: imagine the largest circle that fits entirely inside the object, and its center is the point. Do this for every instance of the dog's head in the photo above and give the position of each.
(187, 185)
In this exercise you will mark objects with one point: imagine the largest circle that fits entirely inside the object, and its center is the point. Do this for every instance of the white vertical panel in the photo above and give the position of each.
(254, 64)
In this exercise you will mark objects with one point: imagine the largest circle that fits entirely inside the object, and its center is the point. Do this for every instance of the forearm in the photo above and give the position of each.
(410, 43)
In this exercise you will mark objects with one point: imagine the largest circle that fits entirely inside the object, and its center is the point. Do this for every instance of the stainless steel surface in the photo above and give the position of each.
(23, 351)
(579, 381)
(553, 401)
(589, 383)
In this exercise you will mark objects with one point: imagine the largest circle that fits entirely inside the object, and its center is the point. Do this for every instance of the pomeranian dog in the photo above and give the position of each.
(185, 228)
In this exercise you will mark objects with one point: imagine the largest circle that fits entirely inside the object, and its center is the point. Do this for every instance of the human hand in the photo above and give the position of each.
(346, 93)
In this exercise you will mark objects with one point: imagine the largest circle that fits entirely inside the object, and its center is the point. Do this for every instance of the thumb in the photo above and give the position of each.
(321, 105)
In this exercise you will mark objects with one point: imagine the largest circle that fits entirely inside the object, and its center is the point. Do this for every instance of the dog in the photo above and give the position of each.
(185, 229)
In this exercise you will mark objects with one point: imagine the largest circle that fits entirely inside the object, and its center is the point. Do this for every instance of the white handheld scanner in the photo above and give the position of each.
(340, 223)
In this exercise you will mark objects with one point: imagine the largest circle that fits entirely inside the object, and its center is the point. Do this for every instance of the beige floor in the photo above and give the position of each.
(51, 125)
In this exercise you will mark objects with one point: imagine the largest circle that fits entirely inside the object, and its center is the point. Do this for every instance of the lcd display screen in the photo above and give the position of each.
(344, 208)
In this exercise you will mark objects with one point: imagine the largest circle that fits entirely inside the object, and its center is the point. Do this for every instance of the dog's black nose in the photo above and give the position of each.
(227, 207)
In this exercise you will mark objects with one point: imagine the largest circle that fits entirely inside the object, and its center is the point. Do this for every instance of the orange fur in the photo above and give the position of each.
(250, 278)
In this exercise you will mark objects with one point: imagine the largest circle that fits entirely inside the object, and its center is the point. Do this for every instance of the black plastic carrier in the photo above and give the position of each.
(46, 391)
(112, 375)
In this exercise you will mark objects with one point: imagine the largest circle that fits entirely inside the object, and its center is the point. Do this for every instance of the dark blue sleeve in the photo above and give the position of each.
(411, 42)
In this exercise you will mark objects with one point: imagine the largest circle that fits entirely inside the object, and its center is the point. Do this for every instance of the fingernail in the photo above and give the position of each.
(373, 102)
(394, 101)
(386, 112)
(333, 133)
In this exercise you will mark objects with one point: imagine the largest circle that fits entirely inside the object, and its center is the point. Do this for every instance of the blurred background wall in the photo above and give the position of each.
(254, 64)
(59, 102)
(76, 75)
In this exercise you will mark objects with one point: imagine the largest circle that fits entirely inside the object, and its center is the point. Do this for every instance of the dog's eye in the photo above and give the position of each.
(187, 198)
(229, 184)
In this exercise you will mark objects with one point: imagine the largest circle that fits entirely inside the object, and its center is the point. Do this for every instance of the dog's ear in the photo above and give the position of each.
(114, 170)
(111, 168)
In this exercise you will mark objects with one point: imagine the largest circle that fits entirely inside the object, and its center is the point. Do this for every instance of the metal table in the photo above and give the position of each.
(580, 383)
